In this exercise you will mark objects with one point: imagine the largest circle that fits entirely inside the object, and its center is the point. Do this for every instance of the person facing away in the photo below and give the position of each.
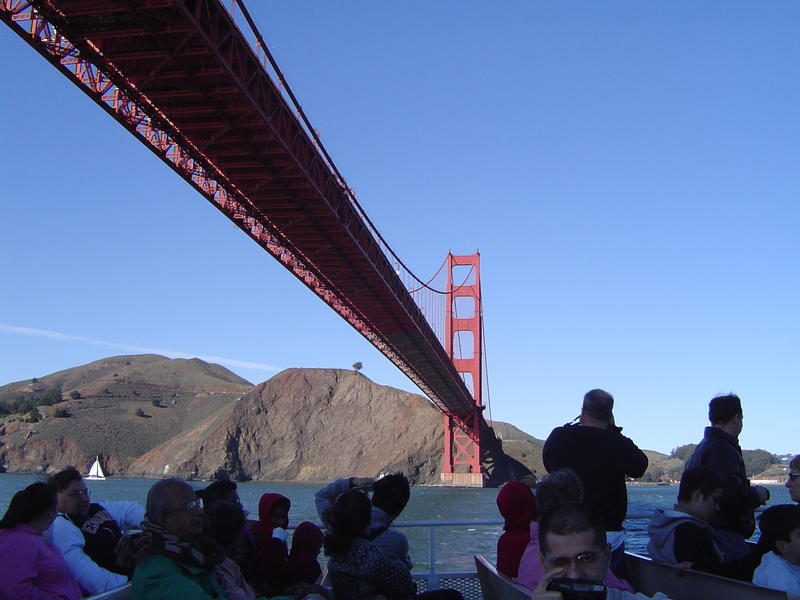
(684, 536)
(517, 506)
(780, 533)
(793, 479)
(358, 569)
(224, 523)
(389, 497)
(602, 457)
(719, 451)
(244, 550)
(306, 545)
(87, 533)
(171, 556)
(560, 487)
(572, 546)
(31, 567)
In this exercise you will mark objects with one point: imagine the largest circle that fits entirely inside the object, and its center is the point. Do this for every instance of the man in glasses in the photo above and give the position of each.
(172, 557)
(87, 533)
(575, 556)
(793, 480)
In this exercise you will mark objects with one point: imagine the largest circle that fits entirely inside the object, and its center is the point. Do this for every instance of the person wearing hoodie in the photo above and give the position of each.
(306, 544)
(684, 536)
(517, 506)
(270, 574)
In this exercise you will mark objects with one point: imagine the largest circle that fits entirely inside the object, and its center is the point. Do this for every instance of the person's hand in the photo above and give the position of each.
(541, 592)
(763, 493)
(361, 482)
(682, 567)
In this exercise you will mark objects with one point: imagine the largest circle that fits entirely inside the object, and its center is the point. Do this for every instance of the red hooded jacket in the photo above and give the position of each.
(306, 544)
(517, 506)
(270, 571)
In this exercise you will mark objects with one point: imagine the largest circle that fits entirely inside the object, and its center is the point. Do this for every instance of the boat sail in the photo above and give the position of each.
(96, 471)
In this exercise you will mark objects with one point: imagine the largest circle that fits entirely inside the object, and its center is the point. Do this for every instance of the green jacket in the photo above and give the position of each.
(160, 578)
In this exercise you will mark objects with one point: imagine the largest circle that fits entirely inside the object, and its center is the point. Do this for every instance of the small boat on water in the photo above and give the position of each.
(96, 471)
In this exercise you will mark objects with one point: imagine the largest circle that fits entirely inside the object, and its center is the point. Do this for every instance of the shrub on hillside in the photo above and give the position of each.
(62, 413)
(140, 413)
(75, 394)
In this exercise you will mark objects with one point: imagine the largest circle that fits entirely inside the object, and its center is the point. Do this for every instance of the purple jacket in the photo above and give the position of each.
(32, 568)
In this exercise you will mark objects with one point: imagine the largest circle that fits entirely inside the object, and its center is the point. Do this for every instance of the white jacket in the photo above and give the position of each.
(92, 578)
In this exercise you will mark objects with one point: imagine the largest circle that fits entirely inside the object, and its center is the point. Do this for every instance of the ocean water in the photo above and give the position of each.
(455, 545)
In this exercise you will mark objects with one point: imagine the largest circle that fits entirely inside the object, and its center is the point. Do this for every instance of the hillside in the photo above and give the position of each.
(150, 416)
(103, 420)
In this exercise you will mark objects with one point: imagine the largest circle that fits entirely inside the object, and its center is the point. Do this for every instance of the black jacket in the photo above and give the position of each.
(720, 452)
(601, 458)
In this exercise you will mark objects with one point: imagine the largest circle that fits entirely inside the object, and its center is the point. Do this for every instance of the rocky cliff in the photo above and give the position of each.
(150, 416)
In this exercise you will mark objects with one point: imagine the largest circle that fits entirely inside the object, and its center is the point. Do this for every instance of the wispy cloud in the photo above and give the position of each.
(66, 337)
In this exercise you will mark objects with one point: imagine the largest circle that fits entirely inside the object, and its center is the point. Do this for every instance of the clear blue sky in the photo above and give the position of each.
(629, 172)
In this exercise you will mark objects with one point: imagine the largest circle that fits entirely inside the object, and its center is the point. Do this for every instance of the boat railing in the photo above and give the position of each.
(465, 581)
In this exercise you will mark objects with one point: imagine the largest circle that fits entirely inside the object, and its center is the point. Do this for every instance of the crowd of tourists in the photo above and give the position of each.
(189, 544)
(568, 526)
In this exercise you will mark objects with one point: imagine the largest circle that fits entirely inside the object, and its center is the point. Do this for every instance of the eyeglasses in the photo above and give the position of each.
(583, 559)
(188, 507)
(793, 476)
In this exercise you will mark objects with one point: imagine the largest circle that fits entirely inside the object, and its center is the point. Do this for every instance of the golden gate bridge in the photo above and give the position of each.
(207, 97)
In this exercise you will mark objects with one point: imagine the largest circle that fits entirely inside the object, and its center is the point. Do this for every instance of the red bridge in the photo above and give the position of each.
(182, 77)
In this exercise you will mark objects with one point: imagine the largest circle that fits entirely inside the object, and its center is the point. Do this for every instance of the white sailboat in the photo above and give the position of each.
(96, 471)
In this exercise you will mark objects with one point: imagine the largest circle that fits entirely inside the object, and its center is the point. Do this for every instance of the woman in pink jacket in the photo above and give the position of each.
(32, 568)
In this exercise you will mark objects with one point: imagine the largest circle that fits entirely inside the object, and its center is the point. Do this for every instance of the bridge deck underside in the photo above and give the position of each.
(192, 70)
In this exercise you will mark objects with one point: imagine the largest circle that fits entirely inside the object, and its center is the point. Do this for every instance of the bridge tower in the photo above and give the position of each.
(463, 343)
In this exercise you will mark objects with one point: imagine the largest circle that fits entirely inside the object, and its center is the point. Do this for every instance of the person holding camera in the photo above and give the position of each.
(602, 457)
(575, 557)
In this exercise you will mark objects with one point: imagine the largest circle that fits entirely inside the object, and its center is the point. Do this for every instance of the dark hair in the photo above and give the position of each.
(347, 519)
(215, 492)
(699, 478)
(28, 504)
(62, 479)
(225, 521)
(391, 494)
(569, 518)
(560, 487)
(777, 523)
(723, 408)
(598, 404)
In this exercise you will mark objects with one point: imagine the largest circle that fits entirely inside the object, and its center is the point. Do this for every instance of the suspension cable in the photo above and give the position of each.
(311, 131)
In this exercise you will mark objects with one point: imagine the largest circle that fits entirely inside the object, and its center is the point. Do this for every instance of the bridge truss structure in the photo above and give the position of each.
(212, 104)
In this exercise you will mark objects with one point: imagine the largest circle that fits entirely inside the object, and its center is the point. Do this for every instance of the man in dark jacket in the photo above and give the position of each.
(719, 451)
(602, 457)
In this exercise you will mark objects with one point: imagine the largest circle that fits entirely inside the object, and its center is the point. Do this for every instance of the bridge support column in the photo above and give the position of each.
(461, 463)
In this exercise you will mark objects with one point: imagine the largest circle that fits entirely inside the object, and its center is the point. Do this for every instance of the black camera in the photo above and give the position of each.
(577, 589)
